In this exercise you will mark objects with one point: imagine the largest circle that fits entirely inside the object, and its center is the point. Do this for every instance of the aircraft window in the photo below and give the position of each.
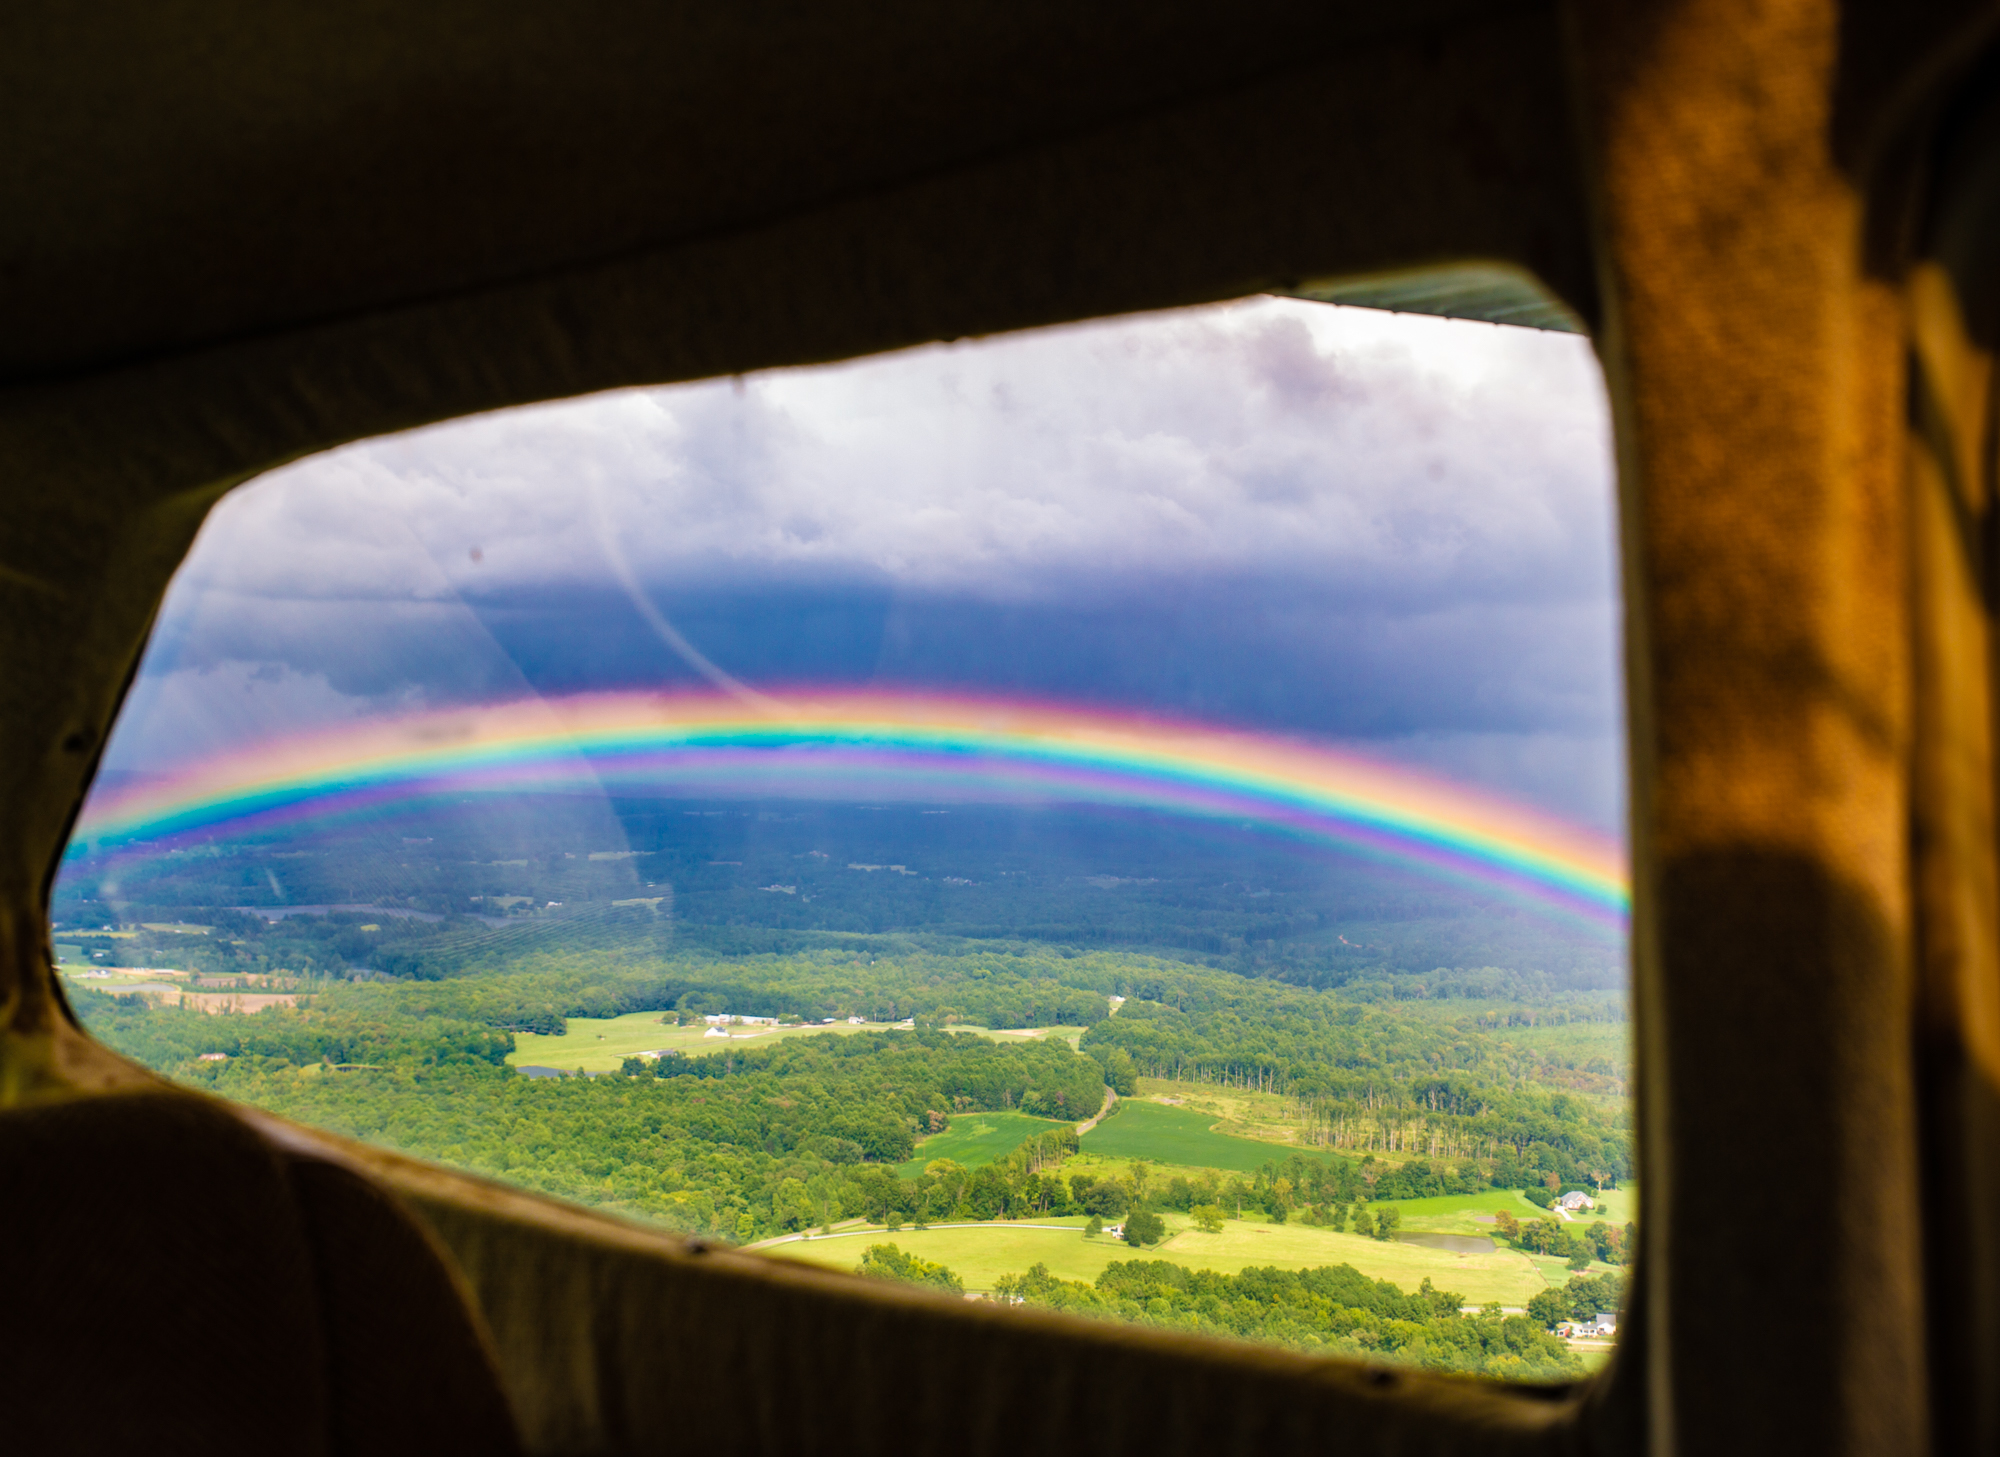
(1123, 818)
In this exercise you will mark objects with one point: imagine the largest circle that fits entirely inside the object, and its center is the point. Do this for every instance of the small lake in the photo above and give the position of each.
(1459, 1244)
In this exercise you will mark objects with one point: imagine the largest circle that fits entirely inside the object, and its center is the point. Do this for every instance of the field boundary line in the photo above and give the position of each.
(786, 1239)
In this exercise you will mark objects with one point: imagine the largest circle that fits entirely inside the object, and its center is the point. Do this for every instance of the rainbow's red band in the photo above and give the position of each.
(864, 745)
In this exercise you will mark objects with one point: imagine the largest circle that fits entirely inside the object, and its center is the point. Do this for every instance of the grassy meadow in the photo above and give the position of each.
(1260, 1117)
(1161, 1134)
(977, 1254)
(975, 1139)
(601, 1044)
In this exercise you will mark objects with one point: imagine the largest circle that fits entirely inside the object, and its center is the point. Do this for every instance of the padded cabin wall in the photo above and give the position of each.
(81, 573)
(1955, 856)
(1757, 375)
(616, 1341)
(1954, 305)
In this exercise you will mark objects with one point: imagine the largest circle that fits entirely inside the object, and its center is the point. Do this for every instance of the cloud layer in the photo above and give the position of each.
(1379, 529)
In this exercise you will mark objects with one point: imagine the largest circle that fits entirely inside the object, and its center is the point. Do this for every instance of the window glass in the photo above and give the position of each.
(1124, 818)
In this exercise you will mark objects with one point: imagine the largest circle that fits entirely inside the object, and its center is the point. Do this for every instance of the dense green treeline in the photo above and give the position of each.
(1332, 1310)
(371, 944)
(346, 1026)
(1368, 1078)
(736, 1145)
(887, 1262)
(1577, 1242)
(1584, 1297)
(914, 1074)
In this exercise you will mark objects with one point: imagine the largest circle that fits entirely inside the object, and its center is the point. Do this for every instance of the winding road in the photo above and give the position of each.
(1110, 1101)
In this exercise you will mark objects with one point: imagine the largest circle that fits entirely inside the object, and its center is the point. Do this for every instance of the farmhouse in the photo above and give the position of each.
(1575, 1200)
(1605, 1323)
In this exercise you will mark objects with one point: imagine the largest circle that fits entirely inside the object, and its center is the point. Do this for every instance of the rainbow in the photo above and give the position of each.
(862, 746)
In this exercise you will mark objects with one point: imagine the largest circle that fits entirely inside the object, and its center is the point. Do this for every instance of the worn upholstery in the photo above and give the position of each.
(179, 1283)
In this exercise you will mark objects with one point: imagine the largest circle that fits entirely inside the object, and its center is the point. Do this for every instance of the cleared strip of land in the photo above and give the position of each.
(601, 1044)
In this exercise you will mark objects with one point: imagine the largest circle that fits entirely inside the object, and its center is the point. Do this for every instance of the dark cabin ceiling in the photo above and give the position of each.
(180, 175)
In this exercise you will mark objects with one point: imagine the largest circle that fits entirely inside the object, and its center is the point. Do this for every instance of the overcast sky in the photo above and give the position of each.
(1391, 532)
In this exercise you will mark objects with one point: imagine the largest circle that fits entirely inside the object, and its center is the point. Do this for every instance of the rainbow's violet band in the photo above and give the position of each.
(866, 745)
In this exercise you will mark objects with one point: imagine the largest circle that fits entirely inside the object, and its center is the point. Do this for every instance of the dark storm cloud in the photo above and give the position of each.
(1321, 521)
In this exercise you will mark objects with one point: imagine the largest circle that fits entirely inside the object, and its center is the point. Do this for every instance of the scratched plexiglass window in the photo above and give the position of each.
(1124, 819)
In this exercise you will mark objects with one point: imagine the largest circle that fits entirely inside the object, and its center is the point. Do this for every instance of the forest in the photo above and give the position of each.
(1371, 1080)
(741, 1144)
(1332, 1310)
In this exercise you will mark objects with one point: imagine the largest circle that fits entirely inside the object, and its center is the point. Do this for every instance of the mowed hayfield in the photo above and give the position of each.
(981, 1254)
(601, 1044)
(1507, 1276)
(977, 1254)
(976, 1139)
(1166, 1135)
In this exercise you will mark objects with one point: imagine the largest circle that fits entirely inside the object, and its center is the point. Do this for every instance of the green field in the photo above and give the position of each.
(601, 1044)
(1455, 1213)
(1164, 1135)
(1507, 1276)
(975, 1139)
(1620, 1206)
(979, 1255)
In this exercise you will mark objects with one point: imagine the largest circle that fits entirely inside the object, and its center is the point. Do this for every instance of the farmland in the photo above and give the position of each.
(980, 1254)
(1162, 1134)
(601, 1044)
(762, 1132)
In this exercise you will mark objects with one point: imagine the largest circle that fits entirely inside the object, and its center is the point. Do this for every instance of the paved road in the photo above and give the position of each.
(1110, 1100)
